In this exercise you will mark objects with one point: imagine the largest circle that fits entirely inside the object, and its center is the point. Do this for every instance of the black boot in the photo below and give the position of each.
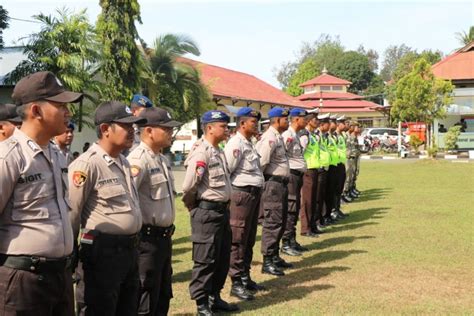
(250, 284)
(279, 262)
(287, 249)
(216, 303)
(270, 268)
(238, 290)
(297, 246)
(346, 198)
(203, 308)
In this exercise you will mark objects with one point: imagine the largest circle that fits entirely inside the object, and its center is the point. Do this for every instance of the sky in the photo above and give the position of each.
(256, 36)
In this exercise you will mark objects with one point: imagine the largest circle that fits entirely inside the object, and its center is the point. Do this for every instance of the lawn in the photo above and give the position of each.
(406, 248)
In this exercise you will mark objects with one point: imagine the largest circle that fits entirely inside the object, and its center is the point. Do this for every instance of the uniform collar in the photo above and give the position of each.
(274, 130)
(27, 142)
(146, 147)
(104, 155)
(242, 137)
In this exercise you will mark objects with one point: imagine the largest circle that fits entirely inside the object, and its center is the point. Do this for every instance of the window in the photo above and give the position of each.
(325, 88)
(337, 88)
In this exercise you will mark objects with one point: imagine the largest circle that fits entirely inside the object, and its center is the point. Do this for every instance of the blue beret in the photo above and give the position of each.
(214, 116)
(142, 100)
(278, 112)
(298, 112)
(248, 112)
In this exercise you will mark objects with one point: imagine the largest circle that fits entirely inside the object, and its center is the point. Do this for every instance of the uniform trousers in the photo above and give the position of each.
(350, 170)
(154, 265)
(321, 186)
(274, 206)
(308, 201)
(294, 205)
(244, 208)
(108, 278)
(36, 294)
(331, 187)
(211, 237)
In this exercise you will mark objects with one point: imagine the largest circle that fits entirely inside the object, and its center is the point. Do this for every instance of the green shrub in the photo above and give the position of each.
(415, 142)
(451, 137)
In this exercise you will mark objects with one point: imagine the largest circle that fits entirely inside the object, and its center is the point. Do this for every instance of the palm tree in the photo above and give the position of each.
(65, 45)
(170, 82)
(465, 38)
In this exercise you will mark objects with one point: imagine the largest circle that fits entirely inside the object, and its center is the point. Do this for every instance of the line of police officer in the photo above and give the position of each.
(121, 211)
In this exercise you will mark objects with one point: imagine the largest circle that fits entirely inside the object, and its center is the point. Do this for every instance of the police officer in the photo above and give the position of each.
(348, 194)
(330, 201)
(36, 239)
(297, 164)
(357, 132)
(206, 193)
(153, 178)
(324, 163)
(274, 201)
(310, 145)
(64, 141)
(104, 202)
(247, 182)
(137, 105)
(341, 166)
(9, 119)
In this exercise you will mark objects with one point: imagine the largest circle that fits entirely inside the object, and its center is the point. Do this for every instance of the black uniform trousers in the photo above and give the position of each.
(211, 237)
(331, 187)
(294, 204)
(154, 265)
(341, 179)
(108, 276)
(36, 293)
(244, 208)
(274, 203)
(321, 180)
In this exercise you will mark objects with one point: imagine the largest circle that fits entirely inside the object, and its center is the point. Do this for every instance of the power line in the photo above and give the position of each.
(23, 20)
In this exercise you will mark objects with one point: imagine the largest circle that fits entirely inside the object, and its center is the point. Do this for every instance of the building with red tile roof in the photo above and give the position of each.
(234, 88)
(329, 94)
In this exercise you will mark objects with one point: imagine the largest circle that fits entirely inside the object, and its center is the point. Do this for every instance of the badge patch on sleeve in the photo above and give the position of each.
(236, 153)
(289, 140)
(200, 168)
(271, 142)
(79, 178)
(135, 170)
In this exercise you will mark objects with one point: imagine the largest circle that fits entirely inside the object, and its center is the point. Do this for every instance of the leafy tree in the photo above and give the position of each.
(3, 23)
(419, 96)
(355, 67)
(465, 38)
(172, 83)
(372, 56)
(392, 56)
(121, 59)
(66, 46)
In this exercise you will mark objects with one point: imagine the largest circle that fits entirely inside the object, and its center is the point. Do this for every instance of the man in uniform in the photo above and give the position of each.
(104, 202)
(274, 201)
(324, 164)
(341, 166)
(310, 144)
(206, 193)
(357, 132)
(64, 141)
(348, 194)
(247, 182)
(330, 201)
(297, 164)
(153, 178)
(137, 105)
(9, 119)
(36, 239)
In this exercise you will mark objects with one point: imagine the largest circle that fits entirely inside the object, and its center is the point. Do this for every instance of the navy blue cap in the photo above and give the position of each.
(248, 112)
(71, 126)
(8, 113)
(142, 100)
(298, 112)
(214, 116)
(278, 112)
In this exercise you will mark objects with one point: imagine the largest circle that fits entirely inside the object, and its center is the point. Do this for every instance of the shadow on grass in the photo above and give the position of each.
(363, 215)
(184, 276)
(286, 288)
(181, 240)
(372, 194)
(330, 242)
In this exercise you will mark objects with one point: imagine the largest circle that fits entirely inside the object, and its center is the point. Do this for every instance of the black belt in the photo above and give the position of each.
(155, 231)
(296, 172)
(280, 179)
(248, 188)
(36, 264)
(126, 241)
(215, 206)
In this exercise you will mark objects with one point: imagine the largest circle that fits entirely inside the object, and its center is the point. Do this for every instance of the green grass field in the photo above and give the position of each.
(407, 248)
